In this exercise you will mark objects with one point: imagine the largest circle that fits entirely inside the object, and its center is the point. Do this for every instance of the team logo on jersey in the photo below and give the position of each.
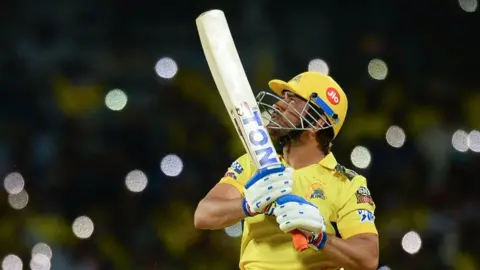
(366, 216)
(363, 196)
(236, 167)
(315, 191)
(317, 194)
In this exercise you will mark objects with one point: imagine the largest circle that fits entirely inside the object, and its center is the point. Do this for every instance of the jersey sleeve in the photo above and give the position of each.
(356, 212)
(238, 173)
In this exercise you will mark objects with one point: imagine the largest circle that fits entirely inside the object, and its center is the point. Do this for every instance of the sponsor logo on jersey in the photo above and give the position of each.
(231, 175)
(366, 216)
(236, 167)
(363, 196)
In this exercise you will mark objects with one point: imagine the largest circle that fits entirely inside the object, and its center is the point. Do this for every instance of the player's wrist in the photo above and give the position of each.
(318, 242)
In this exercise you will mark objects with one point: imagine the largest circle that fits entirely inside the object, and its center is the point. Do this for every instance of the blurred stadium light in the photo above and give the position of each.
(395, 136)
(116, 100)
(318, 65)
(473, 141)
(460, 141)
(166, 68)
(14, 183)
(40, 262)
(235, 230)
(83, 227)
(361, 157)
(18, 201)
(12, 262)
(171, 165)
(468, 5)
(136, 181)
(42, 248)
(384, 267)
(411, 242)
(377, 69)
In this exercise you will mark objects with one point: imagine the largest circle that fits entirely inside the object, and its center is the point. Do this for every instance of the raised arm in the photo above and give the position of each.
(226, 204)
(220, 208)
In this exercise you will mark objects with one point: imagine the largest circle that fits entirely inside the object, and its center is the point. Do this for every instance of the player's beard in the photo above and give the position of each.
(280, 126)
(277, 133)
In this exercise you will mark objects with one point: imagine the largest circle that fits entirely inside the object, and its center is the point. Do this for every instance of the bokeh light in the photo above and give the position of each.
(318, 65)
(166, 68)
(18, 201)
(360, 157)
(14, 183)
(42, 248)
(171, 165)
(473, 140)
(116, 100)
(40, 262)
(384, 267)
(395, 136)
(12, 262)
(235, 230)
(136, 181)
(468, 5)
(411, 242)
(377, 69)
(83, 227)
(460, 141)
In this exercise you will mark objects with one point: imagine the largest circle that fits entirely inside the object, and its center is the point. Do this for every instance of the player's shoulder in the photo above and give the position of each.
(351, 182)
(347, 175)
(243, 160)
(241, 163)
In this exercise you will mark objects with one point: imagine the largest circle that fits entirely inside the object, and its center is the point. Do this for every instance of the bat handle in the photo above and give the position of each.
(299, 240)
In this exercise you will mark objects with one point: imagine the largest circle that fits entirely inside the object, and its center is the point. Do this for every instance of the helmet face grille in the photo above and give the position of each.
(309, 115)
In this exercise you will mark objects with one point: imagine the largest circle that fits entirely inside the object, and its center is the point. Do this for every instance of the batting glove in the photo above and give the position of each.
(267, 185)
(294, 212)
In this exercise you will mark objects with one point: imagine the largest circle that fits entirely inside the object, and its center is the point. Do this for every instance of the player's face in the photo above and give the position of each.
(288, 115)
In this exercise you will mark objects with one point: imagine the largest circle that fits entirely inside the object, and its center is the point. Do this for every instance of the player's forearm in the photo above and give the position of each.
(216, 213)
(352, 254)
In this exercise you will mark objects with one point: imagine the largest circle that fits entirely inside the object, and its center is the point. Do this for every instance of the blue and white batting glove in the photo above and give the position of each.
(267, 185)
(294, 212)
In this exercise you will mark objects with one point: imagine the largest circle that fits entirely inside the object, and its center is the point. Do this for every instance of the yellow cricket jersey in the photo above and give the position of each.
(340, 194)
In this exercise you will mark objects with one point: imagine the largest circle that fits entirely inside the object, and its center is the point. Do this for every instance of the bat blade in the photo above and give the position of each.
(237, 95)
(232, 83)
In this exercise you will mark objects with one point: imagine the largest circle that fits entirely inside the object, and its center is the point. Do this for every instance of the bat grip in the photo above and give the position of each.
(299, 240)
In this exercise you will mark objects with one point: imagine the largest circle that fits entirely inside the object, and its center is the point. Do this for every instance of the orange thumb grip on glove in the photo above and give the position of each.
(299, 240)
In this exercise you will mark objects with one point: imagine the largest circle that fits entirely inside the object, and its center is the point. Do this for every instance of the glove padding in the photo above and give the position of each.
(294, 212)
(267, 185)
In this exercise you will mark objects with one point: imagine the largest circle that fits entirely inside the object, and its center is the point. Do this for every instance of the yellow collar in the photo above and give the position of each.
(329, 161)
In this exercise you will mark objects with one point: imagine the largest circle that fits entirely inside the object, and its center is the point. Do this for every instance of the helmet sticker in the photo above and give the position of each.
(333, 96)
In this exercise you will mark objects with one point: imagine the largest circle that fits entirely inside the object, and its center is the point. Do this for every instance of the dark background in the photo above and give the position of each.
(60, 59)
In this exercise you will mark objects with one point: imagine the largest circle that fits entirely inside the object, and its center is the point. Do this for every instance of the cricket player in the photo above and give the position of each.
(312, 192)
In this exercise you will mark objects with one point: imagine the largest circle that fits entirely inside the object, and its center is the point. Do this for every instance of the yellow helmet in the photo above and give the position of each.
(322, 91)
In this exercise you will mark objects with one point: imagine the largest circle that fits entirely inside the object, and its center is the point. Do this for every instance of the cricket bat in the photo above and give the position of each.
(237, 95)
